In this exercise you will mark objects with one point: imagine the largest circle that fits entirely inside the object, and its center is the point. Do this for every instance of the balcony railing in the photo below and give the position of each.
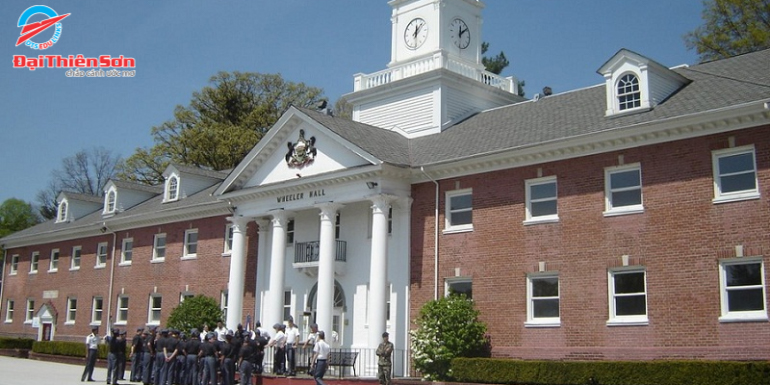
(307, 252)
(439, 60)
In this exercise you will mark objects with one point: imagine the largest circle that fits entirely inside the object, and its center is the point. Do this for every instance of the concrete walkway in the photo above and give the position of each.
(21, 371)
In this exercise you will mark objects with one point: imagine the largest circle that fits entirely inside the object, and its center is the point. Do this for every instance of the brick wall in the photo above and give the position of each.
(679, 239)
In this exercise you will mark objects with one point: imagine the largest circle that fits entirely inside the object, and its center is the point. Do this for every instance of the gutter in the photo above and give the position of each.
(435, 238)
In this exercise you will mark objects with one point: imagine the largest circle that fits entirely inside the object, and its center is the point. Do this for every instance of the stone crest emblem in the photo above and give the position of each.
(302, 152)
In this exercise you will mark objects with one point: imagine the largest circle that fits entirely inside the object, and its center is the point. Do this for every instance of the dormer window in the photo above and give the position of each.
(172, 188)
(629, 95)
(61, 216)
(111, 201)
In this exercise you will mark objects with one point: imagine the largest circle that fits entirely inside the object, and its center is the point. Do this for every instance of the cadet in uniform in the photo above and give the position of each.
(136, 356)
(191, 348)
(208, 351)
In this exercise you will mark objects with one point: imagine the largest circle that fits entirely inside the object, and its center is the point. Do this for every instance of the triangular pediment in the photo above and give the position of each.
(297, 146)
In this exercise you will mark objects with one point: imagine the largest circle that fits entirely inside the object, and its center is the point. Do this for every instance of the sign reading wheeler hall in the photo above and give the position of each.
(300, 196)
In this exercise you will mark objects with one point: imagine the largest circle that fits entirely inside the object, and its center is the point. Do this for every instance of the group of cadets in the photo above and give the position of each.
(170, 357)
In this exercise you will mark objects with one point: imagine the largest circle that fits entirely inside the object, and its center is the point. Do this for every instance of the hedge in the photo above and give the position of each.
(73, 349)
(16, 343)
(508, 371)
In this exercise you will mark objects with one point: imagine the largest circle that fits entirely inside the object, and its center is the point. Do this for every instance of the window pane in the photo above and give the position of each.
(545, 308)
(629, 283)
(462, 218)
(745, 300)
(460, 202)
(738, 182)
(545, 287)
(461, 288)
(543, 208)
(631, 305)
(743, 275)
(625, 179)
(736, 163)
(626, 198)
(540, 191)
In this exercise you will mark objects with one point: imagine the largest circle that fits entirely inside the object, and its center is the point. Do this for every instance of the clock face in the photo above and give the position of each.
(415, 33)
(460, 34)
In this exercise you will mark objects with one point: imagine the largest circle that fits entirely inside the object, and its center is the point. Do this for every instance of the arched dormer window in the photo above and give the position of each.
(172, 188)
(111, 201)
(629, 95)
(62, 214)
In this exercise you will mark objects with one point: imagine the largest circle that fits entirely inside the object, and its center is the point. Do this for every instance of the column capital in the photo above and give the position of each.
(381, 202)
(263, 224)
(279, 217)
(329, 209)
(239, 223)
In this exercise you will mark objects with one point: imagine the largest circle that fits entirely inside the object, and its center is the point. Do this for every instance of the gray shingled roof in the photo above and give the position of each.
(221, 175)
(122, 184)
(714, 85)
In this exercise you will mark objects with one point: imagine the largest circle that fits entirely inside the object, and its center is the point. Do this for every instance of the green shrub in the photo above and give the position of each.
(194, 313)
(507, 371)
(16, 343)
(63, 348)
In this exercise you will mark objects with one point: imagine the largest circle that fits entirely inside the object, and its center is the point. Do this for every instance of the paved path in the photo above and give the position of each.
(21, 371)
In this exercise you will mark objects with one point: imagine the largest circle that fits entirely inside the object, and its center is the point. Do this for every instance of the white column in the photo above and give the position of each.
(378, 270)
(237, 272)
(327, 249)
(262, 268)
(274, 303)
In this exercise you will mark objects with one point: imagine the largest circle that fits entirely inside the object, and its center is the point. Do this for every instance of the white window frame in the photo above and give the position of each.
(151, 309)
(111, 201)
(638, 93)
(617, 320)
(120, 308)
(34, 262)
(77, 255)
(14, 264)
(223, 298)
(287, 304)
(99, 247)
(449, 282)
(290, 232)
(185, 295)
(610, 208)
(127, 247)
(187, 254)
(719, 196)
(741, 316)
(228, 240)
(155, 257)
(29, 312)
(97, 310)
(456, 228)
(529, 185)
(532, 320)
(172, 194)
(61, 213)
(337, 226)
(72, 311)
(9, 304)
(53, 263)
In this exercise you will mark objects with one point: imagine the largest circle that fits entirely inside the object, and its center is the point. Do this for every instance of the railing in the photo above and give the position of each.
(365, 366)
(439, 60)
(307, 252)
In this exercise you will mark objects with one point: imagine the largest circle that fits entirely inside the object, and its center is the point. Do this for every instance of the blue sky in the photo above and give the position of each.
(178, 45)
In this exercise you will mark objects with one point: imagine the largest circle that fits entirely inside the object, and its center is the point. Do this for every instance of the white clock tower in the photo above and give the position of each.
(435, 77)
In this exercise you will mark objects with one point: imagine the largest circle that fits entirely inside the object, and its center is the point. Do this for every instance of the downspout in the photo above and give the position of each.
(435, 238)
(112, 277)
(2, 275)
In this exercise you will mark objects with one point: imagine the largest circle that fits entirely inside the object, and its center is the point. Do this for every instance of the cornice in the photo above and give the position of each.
(682, 127)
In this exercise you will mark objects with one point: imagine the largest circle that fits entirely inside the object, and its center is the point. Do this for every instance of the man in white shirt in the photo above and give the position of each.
(92, 344)
(221, 331)
(292, 339)
(321, 353)
(279, 343)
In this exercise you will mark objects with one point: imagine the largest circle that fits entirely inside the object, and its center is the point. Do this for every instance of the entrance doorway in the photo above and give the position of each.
(335, 338)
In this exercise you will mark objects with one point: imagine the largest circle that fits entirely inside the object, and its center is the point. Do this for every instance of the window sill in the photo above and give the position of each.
(100, 267)
(95, 323)
(542, 324)
(735, 198)
(53, 271)
(28, 322)
(74, 268)
(540, 220)
(744, 318)
(8, 321)
(68, 323)
(629, 322)
(458, 229)
(120, 322)
(33, 272)
(226, 254)
(189, 257)
(12, 273)
(159, 260)
(153, 323)
(124, 264)
(623, 211)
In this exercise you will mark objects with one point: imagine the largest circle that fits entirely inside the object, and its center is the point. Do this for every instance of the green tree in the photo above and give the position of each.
(496, 64)
(16, 215)
(731, 27)
(446, 329)
(220, 125)
(86, 172)
(194, 313)
(343, 109)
